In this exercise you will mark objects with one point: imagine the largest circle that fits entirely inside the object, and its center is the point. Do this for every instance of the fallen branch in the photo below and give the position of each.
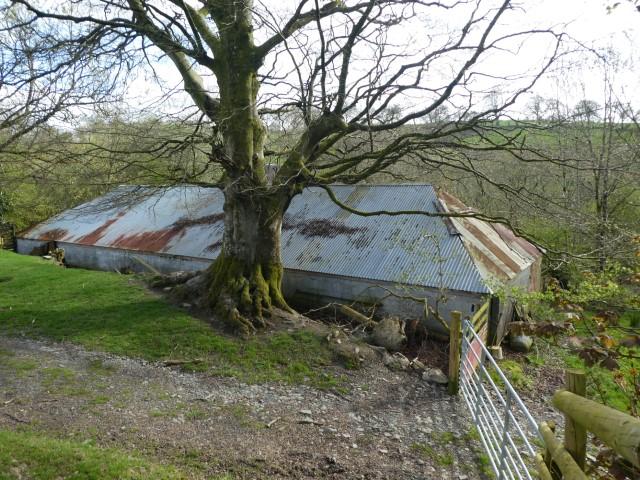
(203, 399)
(15, 419)
(272, 422)
(428, 309)
(146, 265)
(173, 363)
(355, 316)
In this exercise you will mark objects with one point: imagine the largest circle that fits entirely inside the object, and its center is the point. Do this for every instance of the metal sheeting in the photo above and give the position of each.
(496, 250)
(183, 221)
(405, 249)
(317, 235)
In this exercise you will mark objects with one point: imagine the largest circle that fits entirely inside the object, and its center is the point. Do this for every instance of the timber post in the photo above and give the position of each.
(575, 435)
(618, 430)
(493, 331)
(560, 456)
(455, 344)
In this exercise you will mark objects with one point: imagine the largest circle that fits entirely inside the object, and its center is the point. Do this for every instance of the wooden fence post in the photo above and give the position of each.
(618, 430)
(493, 332)
(455, 343)
(575, 436)
(560, 456)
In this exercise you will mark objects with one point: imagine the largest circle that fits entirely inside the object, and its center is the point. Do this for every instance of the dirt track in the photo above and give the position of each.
(390, 425)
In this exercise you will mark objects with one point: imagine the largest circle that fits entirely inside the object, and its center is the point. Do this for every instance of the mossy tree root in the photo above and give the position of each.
(243, 295)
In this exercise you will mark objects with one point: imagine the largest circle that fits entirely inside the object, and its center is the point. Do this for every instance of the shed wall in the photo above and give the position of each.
(323, 288)
(326, 289)
(528, 280)
(111, 259)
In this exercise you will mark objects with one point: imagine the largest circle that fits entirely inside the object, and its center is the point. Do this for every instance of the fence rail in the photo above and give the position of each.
(481, 318)
(507, 430)
(509, 433)
(618, 430)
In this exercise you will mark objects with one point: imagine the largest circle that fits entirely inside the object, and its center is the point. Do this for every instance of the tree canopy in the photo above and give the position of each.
(359, 87)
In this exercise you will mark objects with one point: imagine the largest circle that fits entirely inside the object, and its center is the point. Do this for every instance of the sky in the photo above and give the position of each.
(585, 21)
(588, 22)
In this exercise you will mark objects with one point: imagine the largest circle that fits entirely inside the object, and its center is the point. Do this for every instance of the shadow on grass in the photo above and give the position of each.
(114, 313)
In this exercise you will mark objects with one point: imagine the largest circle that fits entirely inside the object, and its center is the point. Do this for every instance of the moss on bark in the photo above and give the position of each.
(242, 294)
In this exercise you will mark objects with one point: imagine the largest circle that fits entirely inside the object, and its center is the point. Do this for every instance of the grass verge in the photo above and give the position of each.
(30, 455)
(113, 313)
(612, 388)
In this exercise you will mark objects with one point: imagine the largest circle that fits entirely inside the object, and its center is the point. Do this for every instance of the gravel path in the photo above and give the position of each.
(390, 425)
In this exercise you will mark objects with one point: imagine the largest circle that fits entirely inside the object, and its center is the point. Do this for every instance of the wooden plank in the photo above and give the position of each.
(480, 324)
(619, 431)
(480, 313)
(455, 344)
(494, 337)
(543, 471)
(560, 456)
(575, 435)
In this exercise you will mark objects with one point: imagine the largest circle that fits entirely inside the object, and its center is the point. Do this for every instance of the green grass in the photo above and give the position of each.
(423, 450)
(98, 367)
(62, 381)
(485, 465)
(428, 452)
(445, 459)
(113, 313)
(20, 366)
(514, 373)
(33, 456)
(447, 437)
(601, 383)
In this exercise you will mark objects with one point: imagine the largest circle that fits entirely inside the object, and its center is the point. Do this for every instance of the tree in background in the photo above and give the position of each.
(340, 66)
(597, 143)
(43, 83)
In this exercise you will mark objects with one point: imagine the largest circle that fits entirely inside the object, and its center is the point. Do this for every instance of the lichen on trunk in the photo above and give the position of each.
(245, 281)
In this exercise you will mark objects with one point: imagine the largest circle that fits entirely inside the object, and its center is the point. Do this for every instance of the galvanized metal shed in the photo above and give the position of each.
(329, 254)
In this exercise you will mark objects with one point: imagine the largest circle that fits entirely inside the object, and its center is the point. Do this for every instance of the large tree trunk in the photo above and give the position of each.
(245, 280)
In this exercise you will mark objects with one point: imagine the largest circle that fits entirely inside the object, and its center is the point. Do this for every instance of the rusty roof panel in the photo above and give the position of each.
(496, 250)
(409, 249)
(317, 235)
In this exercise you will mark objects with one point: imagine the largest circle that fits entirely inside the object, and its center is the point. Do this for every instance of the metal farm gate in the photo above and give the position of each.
(507, 430)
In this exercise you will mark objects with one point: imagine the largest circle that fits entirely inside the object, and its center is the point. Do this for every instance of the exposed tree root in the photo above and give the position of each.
(243, 295)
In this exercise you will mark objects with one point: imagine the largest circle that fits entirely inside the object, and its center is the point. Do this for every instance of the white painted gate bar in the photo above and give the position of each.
(507, 430)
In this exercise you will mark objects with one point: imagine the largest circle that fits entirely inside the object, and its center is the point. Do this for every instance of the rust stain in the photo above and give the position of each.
(54, 234)
(150, 241)
(491, 246)
(93, 237)
(487, 262)
(452, 202)
(154, 241)
(505, 233)
(508, 236)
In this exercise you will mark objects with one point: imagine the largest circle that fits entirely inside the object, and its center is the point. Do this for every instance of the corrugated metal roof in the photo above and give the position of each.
(317, 236)
(409, 249)
(495, 249)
